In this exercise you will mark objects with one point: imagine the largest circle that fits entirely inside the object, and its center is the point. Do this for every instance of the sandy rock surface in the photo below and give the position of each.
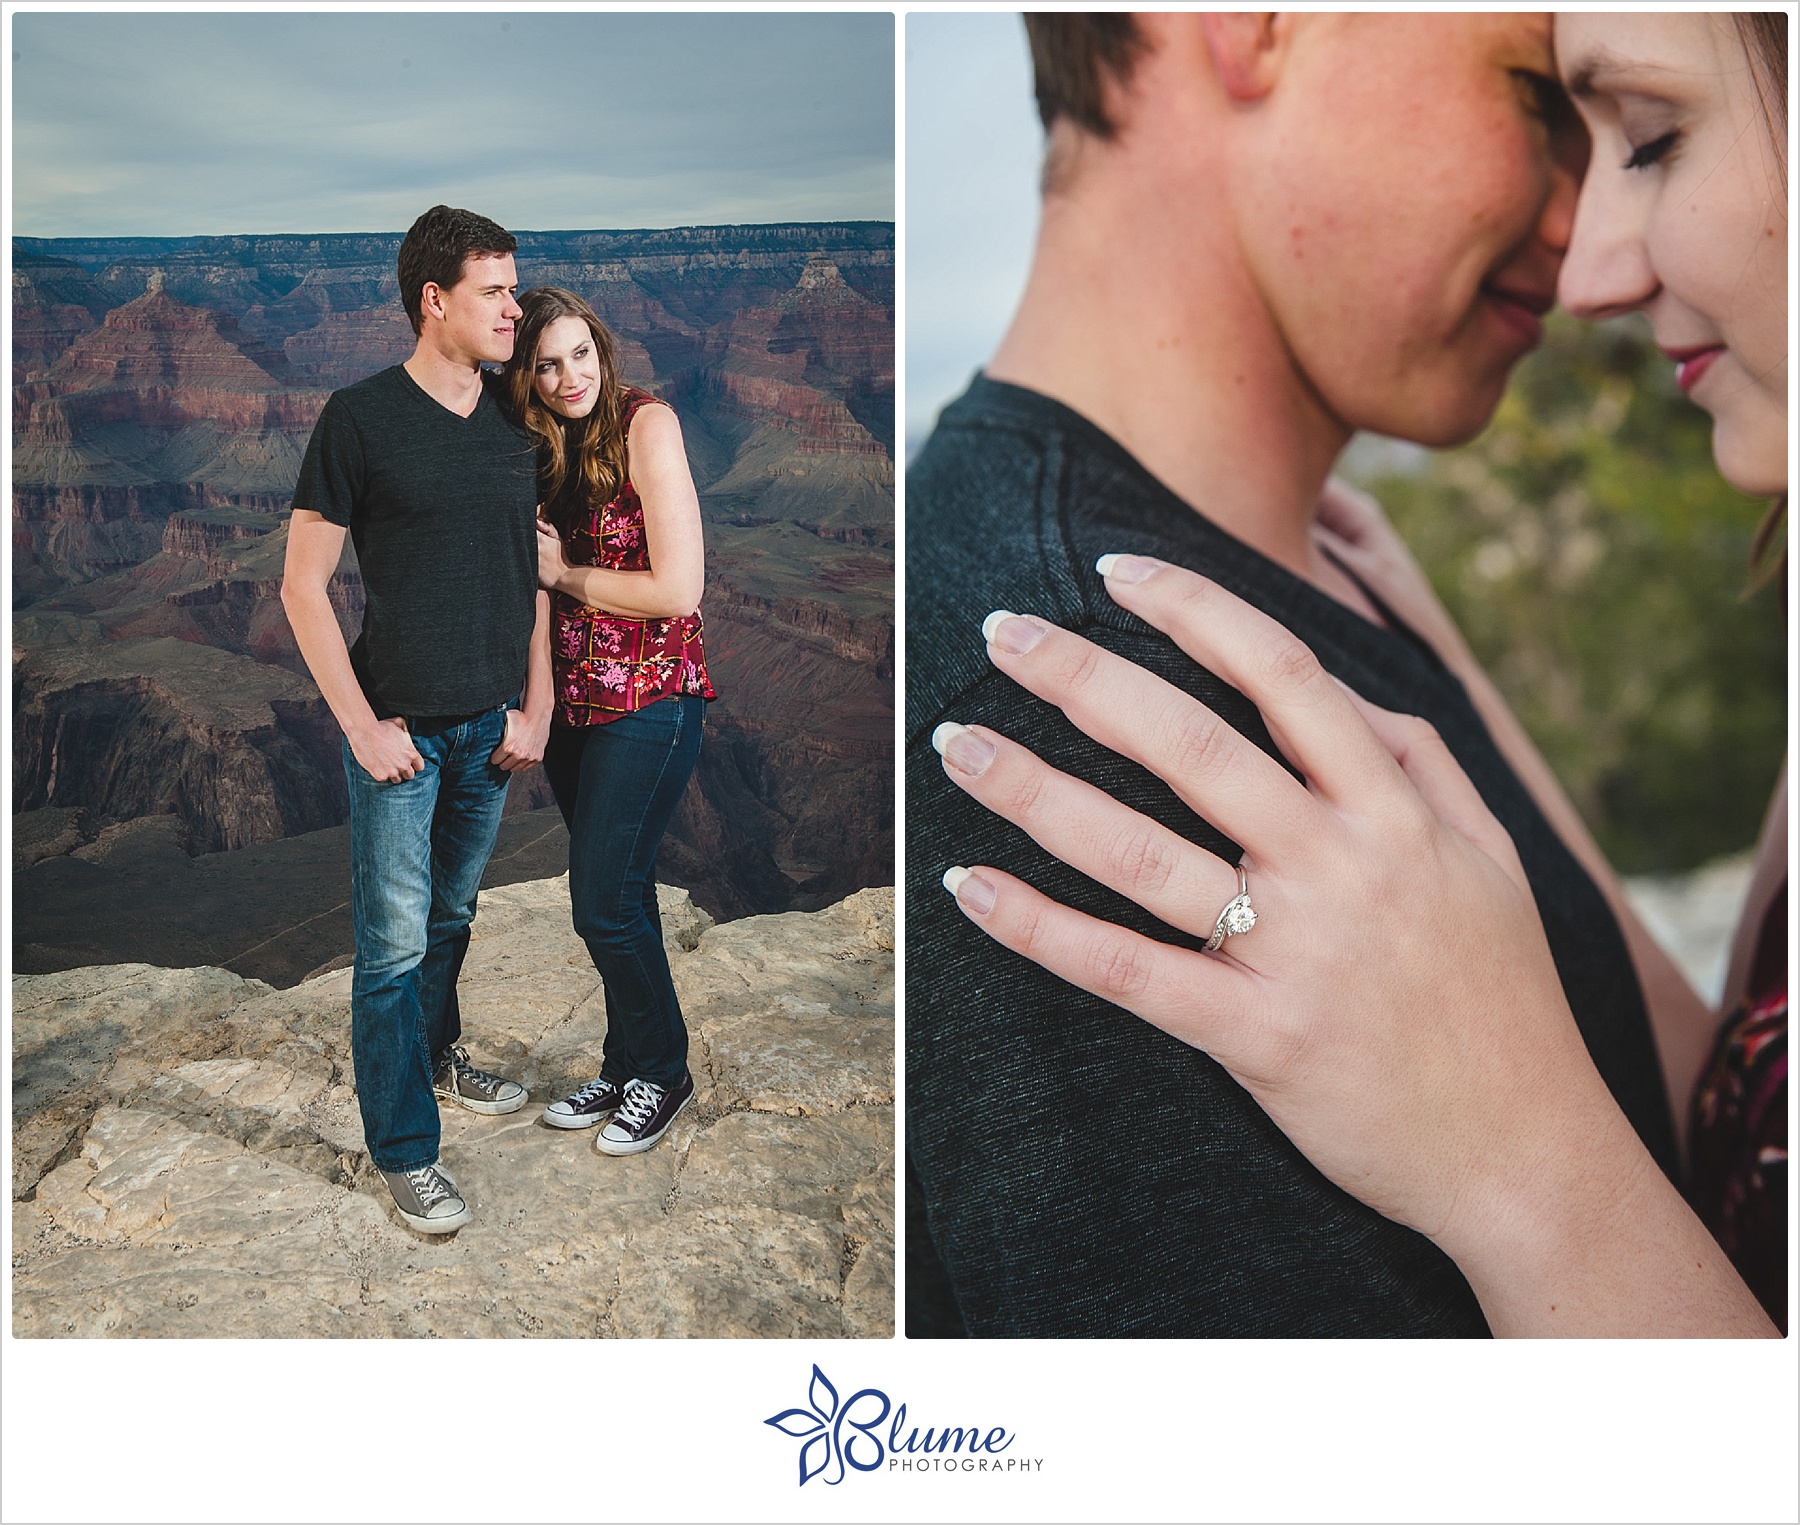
(188, 1156)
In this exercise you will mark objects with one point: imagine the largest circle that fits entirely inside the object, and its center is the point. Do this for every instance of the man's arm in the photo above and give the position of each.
(528, 727)
(382, 747)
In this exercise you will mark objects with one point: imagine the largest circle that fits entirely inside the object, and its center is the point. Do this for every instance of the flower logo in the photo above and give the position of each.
(825, 1448)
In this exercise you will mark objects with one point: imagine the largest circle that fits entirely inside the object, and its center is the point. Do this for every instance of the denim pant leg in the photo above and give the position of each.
(471, 797)
(618, 785)
(417, 852)
(390, 904)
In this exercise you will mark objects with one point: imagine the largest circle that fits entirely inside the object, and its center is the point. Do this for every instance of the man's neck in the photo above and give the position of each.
(1156, 333)
(454, 380)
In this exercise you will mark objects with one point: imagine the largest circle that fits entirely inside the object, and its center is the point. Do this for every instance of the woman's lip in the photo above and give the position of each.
(1692, 364)
(1516, 315)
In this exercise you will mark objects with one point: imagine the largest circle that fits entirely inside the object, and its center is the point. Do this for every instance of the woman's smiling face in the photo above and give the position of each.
(566, 368)
(1683, 216)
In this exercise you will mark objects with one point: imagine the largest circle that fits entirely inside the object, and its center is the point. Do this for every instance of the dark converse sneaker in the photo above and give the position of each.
(644, 1116)
(428, 1199)
(593, 1103)
(455, 1079)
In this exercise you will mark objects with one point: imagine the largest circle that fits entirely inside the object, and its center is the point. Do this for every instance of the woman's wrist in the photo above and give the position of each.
(1587, 1238)
(1529, 1238)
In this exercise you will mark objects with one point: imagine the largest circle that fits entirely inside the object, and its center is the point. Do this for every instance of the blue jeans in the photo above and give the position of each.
(417, 853)
(617, 786)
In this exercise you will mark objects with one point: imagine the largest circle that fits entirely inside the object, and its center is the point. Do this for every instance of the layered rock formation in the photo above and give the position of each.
(53, 303)
(162, 407)
(164, 392)
(188, 1157)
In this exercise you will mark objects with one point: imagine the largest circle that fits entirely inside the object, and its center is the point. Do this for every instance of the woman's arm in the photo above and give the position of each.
(1353, 526)
(1395, 1010)
(658, 468)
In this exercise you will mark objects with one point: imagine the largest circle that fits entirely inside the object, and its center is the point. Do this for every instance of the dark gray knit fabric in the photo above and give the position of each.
(442, 511)
(1082, 1173)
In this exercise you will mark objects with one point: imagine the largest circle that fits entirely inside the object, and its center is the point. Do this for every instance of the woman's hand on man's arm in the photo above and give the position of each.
(1395, 1009)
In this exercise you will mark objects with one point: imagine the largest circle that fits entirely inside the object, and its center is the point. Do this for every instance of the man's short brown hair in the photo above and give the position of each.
(1071, 56)
(434, 250)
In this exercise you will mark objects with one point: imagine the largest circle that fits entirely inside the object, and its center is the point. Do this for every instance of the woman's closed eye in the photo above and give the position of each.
(1653, 152)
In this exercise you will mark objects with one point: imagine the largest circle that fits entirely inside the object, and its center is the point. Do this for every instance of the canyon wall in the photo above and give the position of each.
(164, 390)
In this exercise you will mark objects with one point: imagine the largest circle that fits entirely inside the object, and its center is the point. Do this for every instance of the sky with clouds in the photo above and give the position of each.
(973, 145)
(331, 122)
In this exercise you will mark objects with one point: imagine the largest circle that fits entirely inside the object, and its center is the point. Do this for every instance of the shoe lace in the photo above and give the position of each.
(429, 1187)
(595, 1087)
(641, 1101)
(459, 1058)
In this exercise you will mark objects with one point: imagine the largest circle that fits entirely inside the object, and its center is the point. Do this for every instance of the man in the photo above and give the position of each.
(1260, 233)
(438, 492)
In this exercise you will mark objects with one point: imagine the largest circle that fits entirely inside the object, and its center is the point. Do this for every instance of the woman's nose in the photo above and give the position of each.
(1607, 270)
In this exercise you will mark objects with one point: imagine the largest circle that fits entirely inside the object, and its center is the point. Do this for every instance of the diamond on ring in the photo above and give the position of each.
(1237, 917)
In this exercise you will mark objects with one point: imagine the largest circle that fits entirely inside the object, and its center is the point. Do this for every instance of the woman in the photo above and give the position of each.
(1396, 1011)
(619, 548)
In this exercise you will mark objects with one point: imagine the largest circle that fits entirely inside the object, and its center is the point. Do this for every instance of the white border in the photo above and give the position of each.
(1156, 1430)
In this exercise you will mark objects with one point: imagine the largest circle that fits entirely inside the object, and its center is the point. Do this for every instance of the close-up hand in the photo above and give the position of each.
(1382, 876)
(386, 752)
(522, 746)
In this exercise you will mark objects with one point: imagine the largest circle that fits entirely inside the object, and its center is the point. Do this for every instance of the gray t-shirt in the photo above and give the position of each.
(1077, 1171)
(441, 510)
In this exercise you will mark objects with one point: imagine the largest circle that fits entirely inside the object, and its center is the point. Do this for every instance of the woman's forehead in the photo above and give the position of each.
(562, 334)
(1602, 53)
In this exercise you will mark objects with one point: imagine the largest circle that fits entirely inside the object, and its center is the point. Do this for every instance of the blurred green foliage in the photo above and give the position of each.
(1598, 563)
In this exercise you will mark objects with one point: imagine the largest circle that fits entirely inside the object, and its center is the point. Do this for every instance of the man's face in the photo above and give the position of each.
(479, 311)
(1413, 211)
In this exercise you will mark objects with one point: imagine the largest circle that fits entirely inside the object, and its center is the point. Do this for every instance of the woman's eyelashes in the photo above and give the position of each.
(545, 367)
(1653, 152)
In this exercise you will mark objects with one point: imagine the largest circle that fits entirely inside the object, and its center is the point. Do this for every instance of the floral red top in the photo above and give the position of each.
(606, 665)
(1739, 1142)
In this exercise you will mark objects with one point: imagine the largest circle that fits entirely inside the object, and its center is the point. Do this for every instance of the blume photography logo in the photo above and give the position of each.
(837, 1438)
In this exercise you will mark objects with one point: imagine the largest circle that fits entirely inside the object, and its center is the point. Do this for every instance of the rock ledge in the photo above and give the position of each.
(188, 1157)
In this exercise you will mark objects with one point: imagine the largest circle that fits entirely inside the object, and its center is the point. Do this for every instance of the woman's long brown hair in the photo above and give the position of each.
(584, 458)
(1764, 35)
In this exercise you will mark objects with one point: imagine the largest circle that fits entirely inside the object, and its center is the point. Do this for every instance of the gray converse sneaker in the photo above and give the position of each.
(455, 1079)
(644, 1116)
(428, 1199)
(594, 1103)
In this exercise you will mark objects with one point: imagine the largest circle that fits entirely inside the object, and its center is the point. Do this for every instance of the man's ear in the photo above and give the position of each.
(1247, 48)
(431, 301)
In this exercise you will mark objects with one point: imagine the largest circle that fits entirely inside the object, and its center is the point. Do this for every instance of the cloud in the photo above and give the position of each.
(184, 123)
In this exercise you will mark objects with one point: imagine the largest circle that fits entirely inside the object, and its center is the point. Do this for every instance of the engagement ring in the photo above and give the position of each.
(1237, 917)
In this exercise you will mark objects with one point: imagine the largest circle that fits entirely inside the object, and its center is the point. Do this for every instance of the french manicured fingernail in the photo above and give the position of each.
(972, 893)
(1126, 569)
(1013, 632)
(962, 748)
